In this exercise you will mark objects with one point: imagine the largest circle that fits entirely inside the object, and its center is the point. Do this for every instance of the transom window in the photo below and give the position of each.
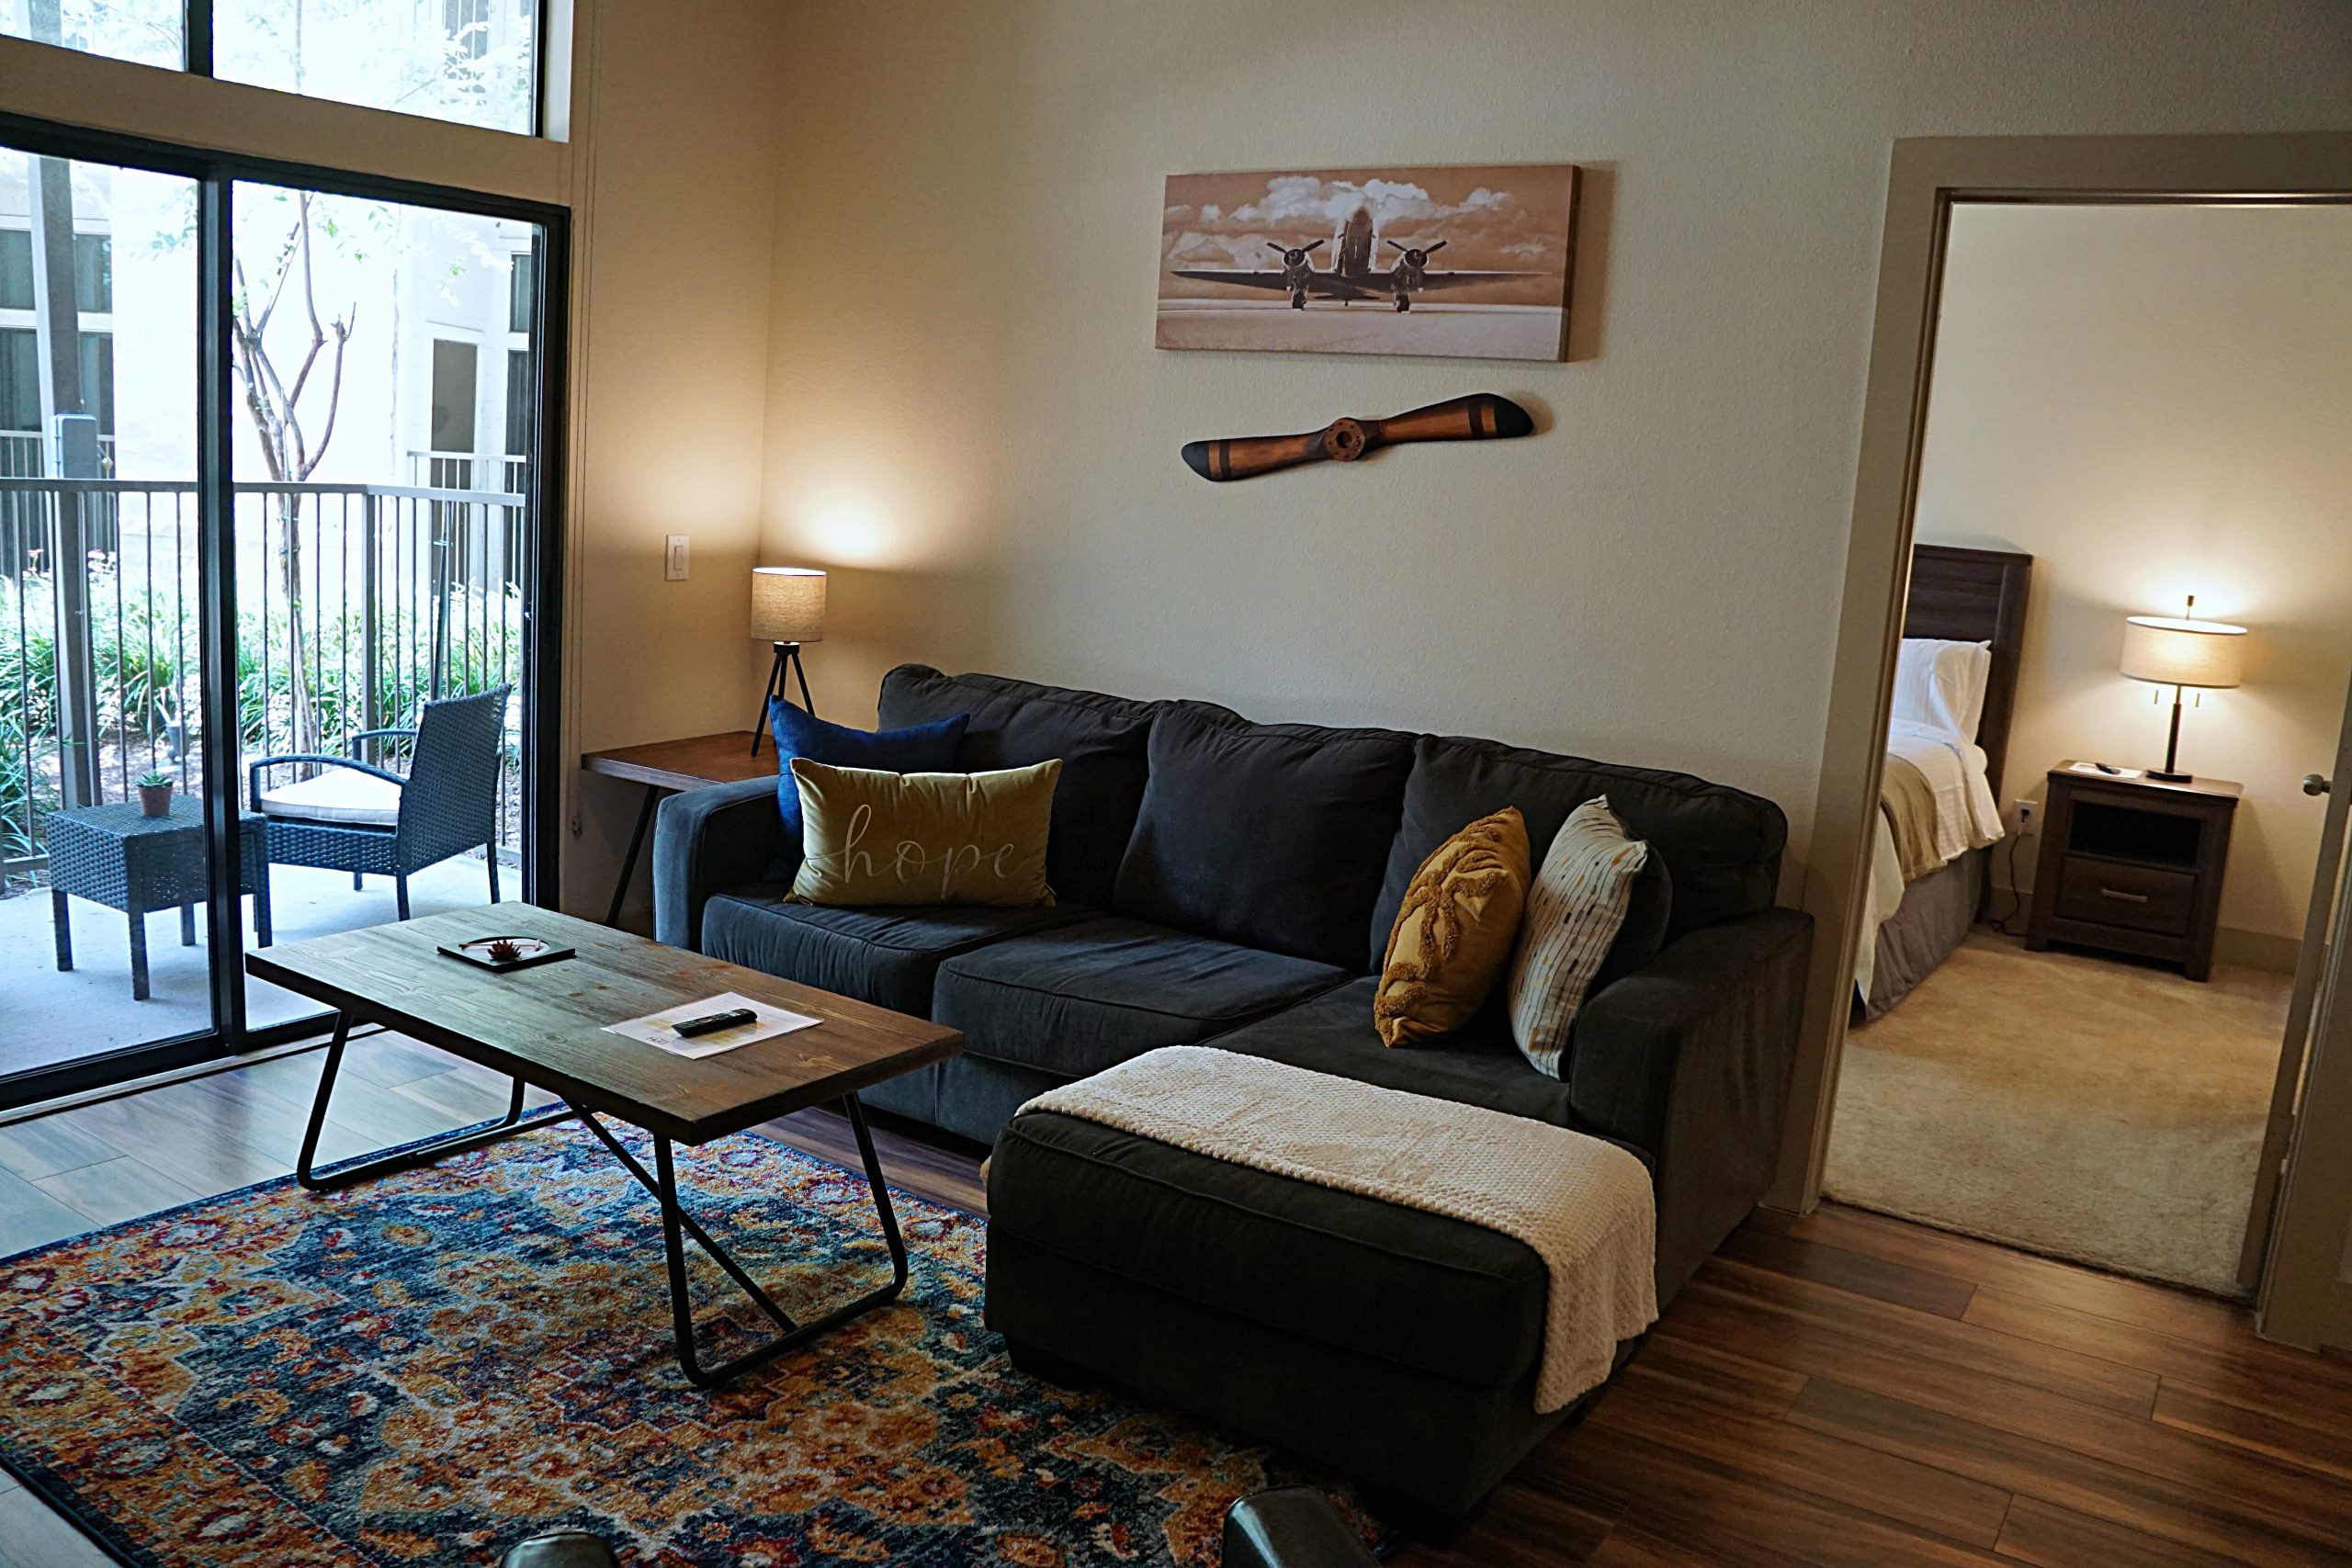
(472, 62)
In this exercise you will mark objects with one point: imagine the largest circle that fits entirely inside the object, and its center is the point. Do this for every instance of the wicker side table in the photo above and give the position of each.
(116, 856)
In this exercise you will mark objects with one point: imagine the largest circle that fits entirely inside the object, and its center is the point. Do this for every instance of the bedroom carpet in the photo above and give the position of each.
(2072, 1105)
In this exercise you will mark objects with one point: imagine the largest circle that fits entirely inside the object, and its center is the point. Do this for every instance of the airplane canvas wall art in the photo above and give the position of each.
(1468, 263)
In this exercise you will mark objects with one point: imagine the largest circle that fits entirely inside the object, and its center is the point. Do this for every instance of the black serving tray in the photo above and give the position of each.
(461, 951)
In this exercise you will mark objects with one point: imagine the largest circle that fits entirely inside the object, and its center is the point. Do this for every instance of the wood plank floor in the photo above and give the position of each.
(1838, 1390)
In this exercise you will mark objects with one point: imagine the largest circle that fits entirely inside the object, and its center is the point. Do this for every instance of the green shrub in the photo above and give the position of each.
(145, 656)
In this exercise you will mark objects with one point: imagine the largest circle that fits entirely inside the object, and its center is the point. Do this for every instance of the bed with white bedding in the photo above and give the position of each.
(1955, 687)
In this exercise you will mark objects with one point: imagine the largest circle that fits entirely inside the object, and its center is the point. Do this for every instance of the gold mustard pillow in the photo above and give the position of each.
(880, 838)
(1454, 931)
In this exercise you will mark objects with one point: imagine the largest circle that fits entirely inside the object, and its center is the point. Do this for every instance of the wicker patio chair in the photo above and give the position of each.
(359, 818)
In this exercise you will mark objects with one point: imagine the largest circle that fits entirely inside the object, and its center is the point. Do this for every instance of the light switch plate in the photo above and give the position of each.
(673, 559)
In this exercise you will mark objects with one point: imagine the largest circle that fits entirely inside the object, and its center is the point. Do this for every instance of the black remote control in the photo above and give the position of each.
(712, 1022)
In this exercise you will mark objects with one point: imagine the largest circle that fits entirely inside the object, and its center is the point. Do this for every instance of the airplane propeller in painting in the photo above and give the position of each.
(1411, 273)
(1298, 272)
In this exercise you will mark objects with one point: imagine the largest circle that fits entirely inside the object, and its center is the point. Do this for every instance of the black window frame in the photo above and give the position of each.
(217, 174)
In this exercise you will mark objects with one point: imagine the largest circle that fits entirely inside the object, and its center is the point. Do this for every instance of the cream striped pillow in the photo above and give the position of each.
(1574, 910)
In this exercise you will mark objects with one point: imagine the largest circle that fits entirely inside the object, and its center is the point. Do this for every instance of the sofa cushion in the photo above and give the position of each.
(1397, 1284)
(1014, 724)
(1081, 997)
(1270, 835)
(343, 796)
(1647, 915)
(1334, 1033)
(1721, 846)
(888, 956)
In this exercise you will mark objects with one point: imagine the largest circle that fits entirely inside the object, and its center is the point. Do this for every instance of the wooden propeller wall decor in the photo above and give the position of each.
(1481, 416)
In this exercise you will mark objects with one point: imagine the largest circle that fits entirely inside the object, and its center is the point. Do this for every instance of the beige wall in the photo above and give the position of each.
(2156, 401)
(674, 266)
(968, 420)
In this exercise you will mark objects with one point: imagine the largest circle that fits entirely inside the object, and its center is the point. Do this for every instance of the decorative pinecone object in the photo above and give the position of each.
(504, 952)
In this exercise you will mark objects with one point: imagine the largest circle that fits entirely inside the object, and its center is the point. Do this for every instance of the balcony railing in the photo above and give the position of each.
(467, 470)
(356, 605)
(23, 454)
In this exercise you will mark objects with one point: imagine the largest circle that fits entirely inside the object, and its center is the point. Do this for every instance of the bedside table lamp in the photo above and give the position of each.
(788, 609)
(2181, 653)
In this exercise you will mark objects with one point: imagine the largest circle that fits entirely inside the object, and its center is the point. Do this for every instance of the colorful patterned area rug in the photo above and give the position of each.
(424, 1370)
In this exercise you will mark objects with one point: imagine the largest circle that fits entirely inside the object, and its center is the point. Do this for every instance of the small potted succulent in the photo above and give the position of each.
(154, 795)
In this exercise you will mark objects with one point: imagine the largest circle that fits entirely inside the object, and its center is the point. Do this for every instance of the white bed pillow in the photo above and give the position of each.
(1942, 683)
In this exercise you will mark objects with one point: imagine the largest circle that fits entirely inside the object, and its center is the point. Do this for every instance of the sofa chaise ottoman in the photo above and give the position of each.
(1229, 883)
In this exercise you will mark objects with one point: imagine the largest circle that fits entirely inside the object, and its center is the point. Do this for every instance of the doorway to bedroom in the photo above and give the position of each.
(2090, 916)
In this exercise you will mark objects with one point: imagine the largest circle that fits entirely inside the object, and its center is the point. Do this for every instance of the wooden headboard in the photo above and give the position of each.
(1976, 596)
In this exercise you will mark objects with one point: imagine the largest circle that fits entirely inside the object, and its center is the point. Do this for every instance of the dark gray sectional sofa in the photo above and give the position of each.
(1227, 883)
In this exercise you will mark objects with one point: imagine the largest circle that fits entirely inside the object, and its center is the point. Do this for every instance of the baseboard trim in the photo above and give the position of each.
(2257, 950)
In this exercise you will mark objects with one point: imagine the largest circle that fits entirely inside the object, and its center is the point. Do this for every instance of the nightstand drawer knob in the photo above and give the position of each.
(2126, 898)
(2315, 783)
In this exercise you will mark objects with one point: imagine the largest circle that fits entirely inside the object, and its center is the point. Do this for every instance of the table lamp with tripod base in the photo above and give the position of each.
(788, 609)
(2182, 652)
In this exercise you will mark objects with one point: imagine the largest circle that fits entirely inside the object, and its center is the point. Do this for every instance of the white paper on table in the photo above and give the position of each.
(654, 1028)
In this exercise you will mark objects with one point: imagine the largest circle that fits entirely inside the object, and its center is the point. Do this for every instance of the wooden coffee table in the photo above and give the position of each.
(545, 1025)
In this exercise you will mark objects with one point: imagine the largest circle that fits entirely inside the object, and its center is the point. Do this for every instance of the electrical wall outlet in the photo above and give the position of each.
(673, 559)
(2028, 815)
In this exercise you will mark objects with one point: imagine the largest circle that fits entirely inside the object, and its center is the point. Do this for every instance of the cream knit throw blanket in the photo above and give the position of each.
(1583, 1204)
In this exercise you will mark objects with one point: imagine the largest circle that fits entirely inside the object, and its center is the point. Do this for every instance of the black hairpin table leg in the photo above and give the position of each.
(342, 1175)
(677, 1226)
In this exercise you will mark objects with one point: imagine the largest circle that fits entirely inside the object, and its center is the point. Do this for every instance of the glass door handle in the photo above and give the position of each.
(2315, 783)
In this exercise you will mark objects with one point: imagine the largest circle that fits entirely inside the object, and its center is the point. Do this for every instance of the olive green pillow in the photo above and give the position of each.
(1454, 931)
(880, 838)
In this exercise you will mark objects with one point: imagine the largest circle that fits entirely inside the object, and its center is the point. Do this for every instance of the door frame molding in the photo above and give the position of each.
(2303, 1295)
(1926, 177)
(215, 174)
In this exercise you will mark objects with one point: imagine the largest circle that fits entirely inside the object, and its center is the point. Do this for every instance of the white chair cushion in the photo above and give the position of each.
(339, 795)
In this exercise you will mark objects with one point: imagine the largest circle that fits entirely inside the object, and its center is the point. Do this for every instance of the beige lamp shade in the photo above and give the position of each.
(787, 604)
(2173, 652)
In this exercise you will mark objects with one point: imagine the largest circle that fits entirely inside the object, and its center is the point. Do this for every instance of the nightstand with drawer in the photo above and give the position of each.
(2133, 865)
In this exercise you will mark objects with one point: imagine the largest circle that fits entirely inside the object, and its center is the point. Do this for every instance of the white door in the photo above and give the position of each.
(2303, 1200)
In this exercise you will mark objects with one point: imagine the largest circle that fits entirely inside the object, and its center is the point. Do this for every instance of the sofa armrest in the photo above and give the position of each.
(705, 840)
(1689, 1058)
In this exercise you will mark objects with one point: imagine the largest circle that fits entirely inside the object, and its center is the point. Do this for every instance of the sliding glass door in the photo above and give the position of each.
(273, 538)
(384, 555)
(101, 660)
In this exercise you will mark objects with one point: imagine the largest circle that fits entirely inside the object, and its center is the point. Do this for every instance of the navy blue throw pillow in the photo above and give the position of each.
(918, 749)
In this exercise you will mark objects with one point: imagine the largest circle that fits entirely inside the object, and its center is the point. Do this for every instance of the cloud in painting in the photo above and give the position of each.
(1488, 225)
